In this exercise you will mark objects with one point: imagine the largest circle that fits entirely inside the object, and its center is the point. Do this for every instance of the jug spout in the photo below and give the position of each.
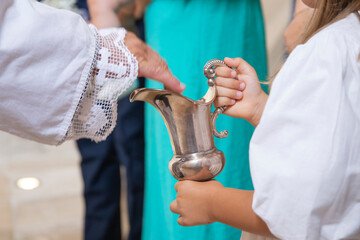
(143, 94)
(161, 99)
(187, 121)
(148, 95)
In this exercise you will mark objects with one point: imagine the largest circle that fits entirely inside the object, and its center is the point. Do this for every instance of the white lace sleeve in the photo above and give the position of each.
(114, 69)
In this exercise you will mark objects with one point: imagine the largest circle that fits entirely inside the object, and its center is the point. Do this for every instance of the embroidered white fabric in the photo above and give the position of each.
(114, 69)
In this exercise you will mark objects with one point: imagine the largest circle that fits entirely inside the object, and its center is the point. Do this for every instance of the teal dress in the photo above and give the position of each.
(188, 33)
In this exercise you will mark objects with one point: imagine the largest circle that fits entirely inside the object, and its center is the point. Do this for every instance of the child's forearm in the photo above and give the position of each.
(234, 207)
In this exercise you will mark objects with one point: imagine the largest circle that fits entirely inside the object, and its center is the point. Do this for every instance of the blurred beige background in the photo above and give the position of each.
(54, 210)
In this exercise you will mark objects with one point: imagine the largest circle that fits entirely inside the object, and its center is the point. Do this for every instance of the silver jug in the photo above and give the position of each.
(191, 127)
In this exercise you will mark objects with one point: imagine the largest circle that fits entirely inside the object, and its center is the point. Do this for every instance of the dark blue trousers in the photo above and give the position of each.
(100, 170)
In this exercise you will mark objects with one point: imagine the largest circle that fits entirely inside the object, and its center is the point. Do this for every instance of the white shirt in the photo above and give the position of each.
(305, 153)
(59, 78)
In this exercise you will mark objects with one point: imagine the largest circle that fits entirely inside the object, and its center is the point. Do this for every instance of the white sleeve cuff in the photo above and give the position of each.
(114, 69)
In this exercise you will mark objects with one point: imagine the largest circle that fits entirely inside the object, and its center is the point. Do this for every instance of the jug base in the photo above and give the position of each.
(197, 166)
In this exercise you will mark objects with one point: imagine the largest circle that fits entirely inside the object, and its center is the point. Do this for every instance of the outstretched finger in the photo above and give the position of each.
(164, 75)
(171, 82)
(157, 69)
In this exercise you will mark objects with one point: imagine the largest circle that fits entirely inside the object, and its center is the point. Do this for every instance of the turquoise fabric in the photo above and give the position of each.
(188, 33)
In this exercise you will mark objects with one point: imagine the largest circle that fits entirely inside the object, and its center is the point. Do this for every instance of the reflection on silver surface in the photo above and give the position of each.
(190, 125)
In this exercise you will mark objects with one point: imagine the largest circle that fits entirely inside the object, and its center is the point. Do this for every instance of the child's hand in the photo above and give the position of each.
(194, 202)
(240, 90)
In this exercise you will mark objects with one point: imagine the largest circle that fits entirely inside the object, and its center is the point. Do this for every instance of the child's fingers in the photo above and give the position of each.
(230, 83)
(223, 101)
(182, 221)
(225, 72)
(177, 184)
(174, 207)
(240, 64)
(227, 92)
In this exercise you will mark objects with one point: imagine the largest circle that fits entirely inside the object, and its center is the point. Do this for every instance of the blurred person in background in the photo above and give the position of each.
(101, 161)
(300, 20)
(188, 33)
(61, 78)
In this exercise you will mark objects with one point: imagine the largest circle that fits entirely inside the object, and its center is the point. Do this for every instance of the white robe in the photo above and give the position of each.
(47, 90)
(305, 153)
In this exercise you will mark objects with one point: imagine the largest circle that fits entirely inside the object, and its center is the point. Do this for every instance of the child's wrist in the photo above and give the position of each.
(212, 214)
(258, 110)
(213, 203)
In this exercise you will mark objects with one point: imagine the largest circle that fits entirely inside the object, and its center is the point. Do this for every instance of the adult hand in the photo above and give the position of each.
(194, 202)
(151, 65)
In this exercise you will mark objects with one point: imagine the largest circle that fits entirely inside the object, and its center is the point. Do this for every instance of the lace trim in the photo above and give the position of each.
(114, 69)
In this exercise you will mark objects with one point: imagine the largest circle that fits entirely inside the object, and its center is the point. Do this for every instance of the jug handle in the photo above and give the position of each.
(209, 72)
(214, 115)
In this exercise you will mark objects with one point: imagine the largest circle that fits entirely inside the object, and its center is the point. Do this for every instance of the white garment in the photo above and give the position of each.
(305, 153)
(59, 78)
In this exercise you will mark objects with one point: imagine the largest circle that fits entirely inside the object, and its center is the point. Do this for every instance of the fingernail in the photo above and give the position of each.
(242, 86)
(232, 101)
(238, 94)
(182, 86)
(233, 74)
